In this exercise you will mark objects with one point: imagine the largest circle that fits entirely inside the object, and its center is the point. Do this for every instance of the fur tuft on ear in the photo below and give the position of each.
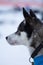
(25, 14)
(32, 14)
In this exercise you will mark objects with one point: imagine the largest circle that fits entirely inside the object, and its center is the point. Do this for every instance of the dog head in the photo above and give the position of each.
(23, 35)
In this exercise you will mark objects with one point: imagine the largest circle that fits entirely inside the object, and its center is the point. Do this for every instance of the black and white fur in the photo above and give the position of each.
(26, 32)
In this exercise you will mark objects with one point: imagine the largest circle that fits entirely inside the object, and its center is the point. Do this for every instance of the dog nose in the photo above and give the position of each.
(6, 37)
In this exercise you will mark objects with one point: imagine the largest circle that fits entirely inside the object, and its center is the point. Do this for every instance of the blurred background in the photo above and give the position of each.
(10, 17)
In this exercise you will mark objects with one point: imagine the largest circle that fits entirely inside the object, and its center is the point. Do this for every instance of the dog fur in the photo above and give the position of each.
(29, 32)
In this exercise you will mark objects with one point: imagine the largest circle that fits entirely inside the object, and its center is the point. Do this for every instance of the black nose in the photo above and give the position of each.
(6, 37)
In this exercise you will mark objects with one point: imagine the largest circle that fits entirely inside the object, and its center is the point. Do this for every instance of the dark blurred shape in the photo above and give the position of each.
(6, 37)
(42, 16)
(17, 9)
(1, 22)
(36, 11)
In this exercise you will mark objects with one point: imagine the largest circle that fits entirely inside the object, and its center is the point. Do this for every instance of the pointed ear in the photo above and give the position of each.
(32, 14)
(25, 14)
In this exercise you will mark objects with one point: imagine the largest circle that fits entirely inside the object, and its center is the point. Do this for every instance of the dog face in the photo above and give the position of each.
(23, 35)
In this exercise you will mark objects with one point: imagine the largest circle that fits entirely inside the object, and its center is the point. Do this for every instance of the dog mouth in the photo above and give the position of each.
(14, 42)
(10, 41)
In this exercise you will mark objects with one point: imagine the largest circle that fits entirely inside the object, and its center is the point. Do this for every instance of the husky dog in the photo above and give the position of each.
(29, 32)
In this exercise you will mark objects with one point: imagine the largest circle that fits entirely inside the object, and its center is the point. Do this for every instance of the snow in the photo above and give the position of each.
(11, 55)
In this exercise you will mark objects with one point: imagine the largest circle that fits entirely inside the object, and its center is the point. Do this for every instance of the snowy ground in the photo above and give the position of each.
(11, 55)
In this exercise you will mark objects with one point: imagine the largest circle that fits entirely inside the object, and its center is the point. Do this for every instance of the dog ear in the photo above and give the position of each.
(32, 14)
(25, 14)
(30, 19)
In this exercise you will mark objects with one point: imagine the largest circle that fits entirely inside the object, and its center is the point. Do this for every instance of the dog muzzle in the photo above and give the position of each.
(37, 60)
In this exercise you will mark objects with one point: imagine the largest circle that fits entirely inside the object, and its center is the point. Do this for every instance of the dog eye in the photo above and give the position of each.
(18, 33)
